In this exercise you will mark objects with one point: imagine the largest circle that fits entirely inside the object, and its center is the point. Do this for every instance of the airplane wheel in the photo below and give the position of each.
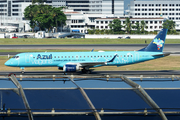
(22, 71)
(83, 71)
(88, 72)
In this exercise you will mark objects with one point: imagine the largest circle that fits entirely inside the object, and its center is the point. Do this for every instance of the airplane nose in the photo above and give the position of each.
(7, 63)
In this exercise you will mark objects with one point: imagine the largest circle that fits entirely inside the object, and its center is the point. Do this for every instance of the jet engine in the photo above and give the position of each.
(71, 68)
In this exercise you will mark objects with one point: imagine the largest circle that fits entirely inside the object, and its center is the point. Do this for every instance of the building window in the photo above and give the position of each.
(151, 22)
(106, 22)
(97, 26)
(97, 22)
(101, 22)
(155, 22)
(101, 26)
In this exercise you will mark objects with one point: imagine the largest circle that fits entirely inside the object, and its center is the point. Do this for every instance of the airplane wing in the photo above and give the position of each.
(97, 63)
(166, 53)
(84, 64)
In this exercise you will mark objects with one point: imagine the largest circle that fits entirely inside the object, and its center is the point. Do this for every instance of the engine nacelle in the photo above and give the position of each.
(70, 68)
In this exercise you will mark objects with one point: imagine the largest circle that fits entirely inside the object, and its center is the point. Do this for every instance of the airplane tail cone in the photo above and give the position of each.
(157, 44)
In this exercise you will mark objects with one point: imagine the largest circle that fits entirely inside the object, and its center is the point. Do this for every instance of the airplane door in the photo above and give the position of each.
(136, 56)
(27, 58)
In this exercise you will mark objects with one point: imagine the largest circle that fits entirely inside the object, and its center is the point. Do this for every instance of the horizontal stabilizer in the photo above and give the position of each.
(166, 53)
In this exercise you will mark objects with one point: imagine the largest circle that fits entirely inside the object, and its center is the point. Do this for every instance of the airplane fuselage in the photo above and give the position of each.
(59, 59)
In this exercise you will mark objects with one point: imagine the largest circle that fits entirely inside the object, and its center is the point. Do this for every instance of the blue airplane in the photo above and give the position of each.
(76, 61)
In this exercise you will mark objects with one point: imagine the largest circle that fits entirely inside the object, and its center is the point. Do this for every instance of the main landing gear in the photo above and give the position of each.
(87, 71)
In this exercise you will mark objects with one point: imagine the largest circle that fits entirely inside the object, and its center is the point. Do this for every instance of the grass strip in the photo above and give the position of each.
(33, 41)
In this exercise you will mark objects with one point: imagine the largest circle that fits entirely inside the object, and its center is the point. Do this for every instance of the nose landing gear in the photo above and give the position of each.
(22, 69)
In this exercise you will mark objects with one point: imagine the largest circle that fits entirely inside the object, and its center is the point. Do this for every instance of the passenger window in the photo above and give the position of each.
(61, 56)
(69, 56)
(84, 56)
(72, 56)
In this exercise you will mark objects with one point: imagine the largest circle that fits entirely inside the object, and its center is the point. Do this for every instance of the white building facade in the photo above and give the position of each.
(115, 7)
(153, 24)
(11, 14)
(169, 9)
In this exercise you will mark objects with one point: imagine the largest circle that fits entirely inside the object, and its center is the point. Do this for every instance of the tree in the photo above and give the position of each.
(137, 27)
(170, 25)
(115, 25)
(128, 25)
(143, 26)
(44, 16)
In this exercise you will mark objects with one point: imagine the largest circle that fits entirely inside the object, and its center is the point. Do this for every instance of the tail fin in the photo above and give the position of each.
(157, 44)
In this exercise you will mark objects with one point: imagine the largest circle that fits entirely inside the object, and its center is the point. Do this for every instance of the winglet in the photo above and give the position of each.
(112, 58)
(92, 50)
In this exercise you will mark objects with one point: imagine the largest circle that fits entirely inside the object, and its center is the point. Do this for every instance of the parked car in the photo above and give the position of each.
(119, 37)
(128, 37)
(51, 37)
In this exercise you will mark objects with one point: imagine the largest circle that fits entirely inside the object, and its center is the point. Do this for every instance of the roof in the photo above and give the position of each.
(130, 18)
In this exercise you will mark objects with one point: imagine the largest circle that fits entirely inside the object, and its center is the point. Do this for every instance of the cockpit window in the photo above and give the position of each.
(16, 57)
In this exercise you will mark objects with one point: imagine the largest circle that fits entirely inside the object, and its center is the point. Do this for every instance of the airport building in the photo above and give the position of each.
(11, 14)
(153, 24)
(85, 14)
(115, 7)
(169, 9)
(11, 11)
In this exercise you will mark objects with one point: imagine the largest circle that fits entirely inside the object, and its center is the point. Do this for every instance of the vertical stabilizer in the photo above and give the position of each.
(157, 44)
